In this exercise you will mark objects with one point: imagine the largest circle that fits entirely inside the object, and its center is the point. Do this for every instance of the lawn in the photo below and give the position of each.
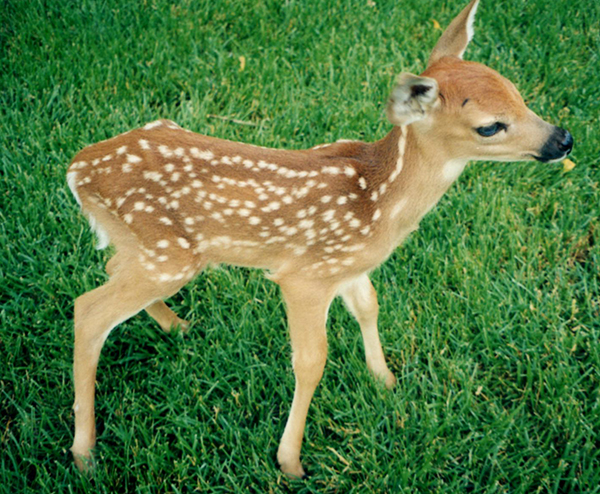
(490, 313)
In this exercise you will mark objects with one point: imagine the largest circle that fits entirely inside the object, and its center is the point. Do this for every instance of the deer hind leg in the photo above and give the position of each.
(361, 299)
(307, 308)
(165, 317)
(96, 314)
(159, 311)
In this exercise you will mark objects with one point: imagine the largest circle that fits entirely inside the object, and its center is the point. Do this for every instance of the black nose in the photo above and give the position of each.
(557, 147)
(566, 144)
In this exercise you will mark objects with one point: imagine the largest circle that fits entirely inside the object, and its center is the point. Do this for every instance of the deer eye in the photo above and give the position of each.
(490, 130)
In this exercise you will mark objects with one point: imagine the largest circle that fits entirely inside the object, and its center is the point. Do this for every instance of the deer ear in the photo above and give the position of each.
(412, 98)
(456, 37)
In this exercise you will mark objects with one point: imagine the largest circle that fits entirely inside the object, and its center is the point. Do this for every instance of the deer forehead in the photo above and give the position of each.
(470, 87)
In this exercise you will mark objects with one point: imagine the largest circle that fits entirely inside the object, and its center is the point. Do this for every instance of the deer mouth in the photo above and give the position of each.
(549, 159)
(557, 147)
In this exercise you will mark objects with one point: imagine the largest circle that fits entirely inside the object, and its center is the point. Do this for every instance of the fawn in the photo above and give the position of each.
(318, 220)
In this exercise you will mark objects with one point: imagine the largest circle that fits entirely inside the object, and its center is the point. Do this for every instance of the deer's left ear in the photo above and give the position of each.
(412, 99)
(456, 37)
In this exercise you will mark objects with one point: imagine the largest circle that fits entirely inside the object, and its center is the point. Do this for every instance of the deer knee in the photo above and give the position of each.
(309, 365)
(361, 299)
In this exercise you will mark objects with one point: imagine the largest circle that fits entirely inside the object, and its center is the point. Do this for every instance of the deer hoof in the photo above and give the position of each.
(292, 468)
(84, 463)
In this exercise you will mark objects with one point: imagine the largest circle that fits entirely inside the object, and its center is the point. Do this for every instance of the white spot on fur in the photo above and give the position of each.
(328, 215)
(202, 155)
(331, 170)
(306, 224)
(165, 151)
(132, 158)
(300, 250)
(154, 176)
(153, 125)
(349, 171)
(272, 206)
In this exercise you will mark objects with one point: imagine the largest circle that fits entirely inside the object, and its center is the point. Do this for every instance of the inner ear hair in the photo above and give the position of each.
(419, 90)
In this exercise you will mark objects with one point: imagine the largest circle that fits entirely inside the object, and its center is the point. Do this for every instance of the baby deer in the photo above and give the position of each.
(318, 220)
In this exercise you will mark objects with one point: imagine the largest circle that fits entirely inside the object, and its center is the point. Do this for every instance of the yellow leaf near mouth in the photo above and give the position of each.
(568, 165)
(436, 25)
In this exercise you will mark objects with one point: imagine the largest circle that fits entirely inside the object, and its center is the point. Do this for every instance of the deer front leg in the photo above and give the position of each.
(307, 316)
(361, 299)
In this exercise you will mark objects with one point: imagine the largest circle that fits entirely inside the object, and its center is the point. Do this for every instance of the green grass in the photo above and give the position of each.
(490, 313)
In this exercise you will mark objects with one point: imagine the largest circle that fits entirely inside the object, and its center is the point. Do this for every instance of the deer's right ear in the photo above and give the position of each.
(457, 36)
(412, 99)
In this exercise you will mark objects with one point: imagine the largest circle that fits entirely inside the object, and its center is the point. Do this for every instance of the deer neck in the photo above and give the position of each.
(410, 180)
